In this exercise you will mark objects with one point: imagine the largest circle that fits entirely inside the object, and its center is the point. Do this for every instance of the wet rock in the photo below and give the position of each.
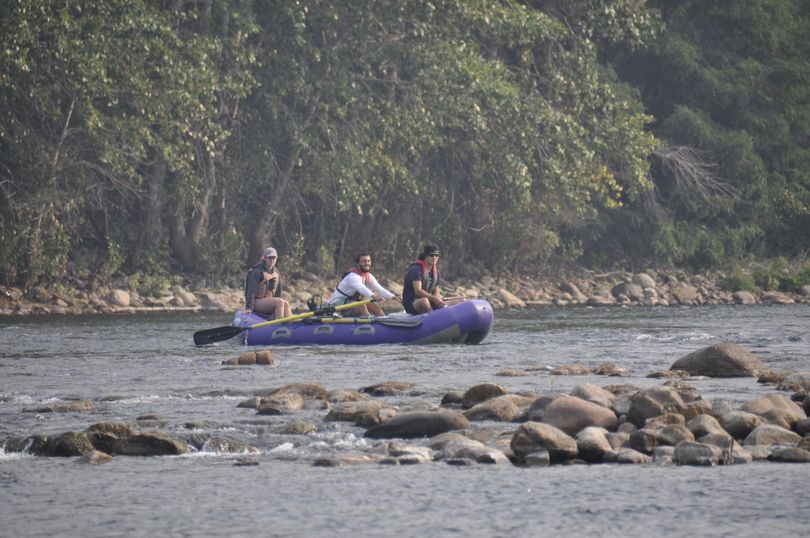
(776, 409)
(281, 403)
(653, 402)
(388, 388)
(704, 425)
(571, 414)
(532, 437)
(664, 455)
(770, 434)
(672, 434)
(342, 460)
(721, 360)
(804, 443)
(362, 413)
(739, 424)
(697, 408)
(618, 439)
(69, 444)
(501, 408)
(791, 455)
(594, 394)
(103, 435)
(541, 458)
(669, 374)
(664, 420)
(309, 391)
(537, 408)
(453, 397)
(95, 457)
(795, 381)
(79, 406)
(150, 444)
(459, 462)
(409, 454)
(692, 453)
(419, 424)
(627, 456)
(480, 393)
(611, 369)
(571, 369)
(592, 443)
(464, 448)
(643, 440)
(36, 445)
(251, 403)
(222, 444)
(759, 452)
(345, 395)
(263, 357)
(300, 427)
(802, 427)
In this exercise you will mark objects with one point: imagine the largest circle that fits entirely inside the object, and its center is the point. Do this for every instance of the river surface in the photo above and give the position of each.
(132, 365)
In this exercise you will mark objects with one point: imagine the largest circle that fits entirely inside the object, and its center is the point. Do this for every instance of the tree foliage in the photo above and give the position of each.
(154, 135)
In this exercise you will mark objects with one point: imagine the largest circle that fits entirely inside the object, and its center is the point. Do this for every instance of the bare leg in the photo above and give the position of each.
(422, 305)
(278, 308)
(375, 309)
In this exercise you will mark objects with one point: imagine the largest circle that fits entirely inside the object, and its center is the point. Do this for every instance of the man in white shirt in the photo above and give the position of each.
(357, 284)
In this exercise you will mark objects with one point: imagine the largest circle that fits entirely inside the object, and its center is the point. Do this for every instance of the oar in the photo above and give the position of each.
(219, 334)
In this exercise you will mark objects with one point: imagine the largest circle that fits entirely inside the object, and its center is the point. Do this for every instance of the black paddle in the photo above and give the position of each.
(220, 334)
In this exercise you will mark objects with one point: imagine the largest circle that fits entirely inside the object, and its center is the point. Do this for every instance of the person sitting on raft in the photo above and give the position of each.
(263, 288)
(421, 293)
(357, 284)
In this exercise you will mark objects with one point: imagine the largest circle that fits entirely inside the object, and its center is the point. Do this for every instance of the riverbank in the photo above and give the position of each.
(589, 288)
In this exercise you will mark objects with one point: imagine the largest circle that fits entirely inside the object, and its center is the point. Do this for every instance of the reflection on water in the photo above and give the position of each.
(130, 366)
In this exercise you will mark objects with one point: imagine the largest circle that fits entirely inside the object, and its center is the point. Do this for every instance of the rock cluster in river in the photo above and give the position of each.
(486, 424)
(587, 288)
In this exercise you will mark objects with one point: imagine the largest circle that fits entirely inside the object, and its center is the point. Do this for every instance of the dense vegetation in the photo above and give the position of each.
(149, 136)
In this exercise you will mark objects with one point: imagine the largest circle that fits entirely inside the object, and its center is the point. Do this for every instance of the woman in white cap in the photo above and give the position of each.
(263, 288)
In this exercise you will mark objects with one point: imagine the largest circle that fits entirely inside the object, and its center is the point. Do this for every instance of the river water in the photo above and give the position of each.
(133, 365)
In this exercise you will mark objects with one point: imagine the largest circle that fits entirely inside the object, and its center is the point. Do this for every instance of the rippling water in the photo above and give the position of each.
(131, 366)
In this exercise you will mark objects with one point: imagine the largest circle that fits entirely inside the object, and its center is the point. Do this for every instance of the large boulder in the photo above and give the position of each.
(770, 434)
(503, 408)
(704, 425)
(776, 409)
(691, 453)
(721, 360)
(534, 437)
(594, 393)
(464, 448)
(673, 434)
(480, 393)
(419, 424)
(653, 402)
(739, 424)
(363, 413)
(571, 414)
(69, 444)
(592, 443)
(150, 444)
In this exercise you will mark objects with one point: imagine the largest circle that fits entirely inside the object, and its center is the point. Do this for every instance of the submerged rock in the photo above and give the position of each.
(419, 424)
(150, 444)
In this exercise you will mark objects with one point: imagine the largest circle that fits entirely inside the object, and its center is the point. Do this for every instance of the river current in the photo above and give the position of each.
(135, 365)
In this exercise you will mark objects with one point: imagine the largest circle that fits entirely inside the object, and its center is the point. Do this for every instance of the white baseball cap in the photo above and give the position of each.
(270, 252)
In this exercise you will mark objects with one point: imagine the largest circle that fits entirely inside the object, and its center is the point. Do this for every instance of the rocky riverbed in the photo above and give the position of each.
(606, 423)
(588, 288)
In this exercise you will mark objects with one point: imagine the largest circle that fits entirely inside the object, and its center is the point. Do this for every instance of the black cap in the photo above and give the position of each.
(430, 248)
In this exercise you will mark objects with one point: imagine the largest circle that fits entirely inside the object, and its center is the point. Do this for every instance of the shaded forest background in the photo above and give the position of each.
(149, 137)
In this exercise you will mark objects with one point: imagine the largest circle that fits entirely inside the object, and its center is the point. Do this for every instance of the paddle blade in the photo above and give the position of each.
(218, 334)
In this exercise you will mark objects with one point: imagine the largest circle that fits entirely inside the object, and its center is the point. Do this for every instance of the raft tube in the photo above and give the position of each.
(468, 322)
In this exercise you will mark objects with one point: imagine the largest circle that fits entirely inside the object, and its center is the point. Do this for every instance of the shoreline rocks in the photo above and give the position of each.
(584, 289)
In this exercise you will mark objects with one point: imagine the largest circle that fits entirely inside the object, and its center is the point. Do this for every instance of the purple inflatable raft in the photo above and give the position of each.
(468, 322)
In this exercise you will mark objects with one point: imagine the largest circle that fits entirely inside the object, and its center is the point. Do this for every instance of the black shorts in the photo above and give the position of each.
(409, 308)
